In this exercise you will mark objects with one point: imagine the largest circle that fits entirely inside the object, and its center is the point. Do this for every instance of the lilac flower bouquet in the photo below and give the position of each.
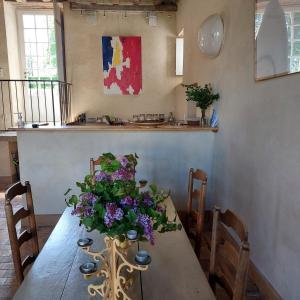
(111, 202)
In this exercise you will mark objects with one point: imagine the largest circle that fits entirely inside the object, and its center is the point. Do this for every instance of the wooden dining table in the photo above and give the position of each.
(174, 273)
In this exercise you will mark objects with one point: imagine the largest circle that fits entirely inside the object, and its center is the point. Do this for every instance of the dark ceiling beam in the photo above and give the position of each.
(119, 7)
(34, 1)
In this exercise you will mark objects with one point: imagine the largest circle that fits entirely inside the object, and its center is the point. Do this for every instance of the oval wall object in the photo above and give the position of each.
(211, 36)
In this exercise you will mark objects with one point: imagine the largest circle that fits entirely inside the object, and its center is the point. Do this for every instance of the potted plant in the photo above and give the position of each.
(204, 97)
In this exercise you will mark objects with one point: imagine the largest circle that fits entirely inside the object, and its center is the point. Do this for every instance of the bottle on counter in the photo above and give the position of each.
(20, 122)
(171, 119)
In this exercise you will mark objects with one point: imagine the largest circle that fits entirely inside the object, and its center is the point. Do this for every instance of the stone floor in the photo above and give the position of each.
(7, 282)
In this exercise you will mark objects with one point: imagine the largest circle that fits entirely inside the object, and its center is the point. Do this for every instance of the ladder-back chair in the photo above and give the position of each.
(28, 234)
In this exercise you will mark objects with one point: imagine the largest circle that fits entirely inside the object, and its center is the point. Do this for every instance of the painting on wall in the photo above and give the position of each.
(277, 38)
(122, 65)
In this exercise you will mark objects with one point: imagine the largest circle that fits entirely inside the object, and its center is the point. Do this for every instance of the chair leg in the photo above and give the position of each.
(212, 282)
(198, 246)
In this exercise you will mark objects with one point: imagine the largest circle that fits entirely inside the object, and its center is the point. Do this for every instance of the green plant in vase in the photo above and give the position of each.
(111, 202)
(204, 97)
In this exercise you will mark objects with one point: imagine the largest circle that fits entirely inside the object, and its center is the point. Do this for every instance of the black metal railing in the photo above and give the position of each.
(39, 101)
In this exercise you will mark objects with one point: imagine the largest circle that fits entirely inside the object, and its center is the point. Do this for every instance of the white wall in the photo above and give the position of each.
(256, 158)
(11, 27)
(3, 44)
(3, 63)
(54, 161)
(84, 63)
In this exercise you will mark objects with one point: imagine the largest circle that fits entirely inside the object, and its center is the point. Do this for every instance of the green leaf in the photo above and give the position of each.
(100, 210)
(87, 221)
(153, 213)
(109, 155)
(73, 201)
(153, 188)
(116, 165)
(202, 96)
(67, 192)
(155, 226)
(132, 216)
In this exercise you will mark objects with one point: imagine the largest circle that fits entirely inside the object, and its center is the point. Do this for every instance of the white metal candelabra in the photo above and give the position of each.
(114, 261)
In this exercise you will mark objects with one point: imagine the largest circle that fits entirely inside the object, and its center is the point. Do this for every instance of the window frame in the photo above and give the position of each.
(20, 12)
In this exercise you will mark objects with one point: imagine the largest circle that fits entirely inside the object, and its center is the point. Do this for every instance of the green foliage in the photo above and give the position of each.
(110, 201)
(202, 96)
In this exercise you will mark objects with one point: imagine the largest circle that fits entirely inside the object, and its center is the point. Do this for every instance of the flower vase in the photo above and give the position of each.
(203, 120)
(116, 270)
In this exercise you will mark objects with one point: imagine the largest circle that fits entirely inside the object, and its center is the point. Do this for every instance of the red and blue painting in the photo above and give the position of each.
(122, 65)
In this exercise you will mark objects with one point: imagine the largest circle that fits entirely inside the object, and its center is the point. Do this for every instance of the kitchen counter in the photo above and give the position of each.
(54, 158)
(127, 127)
(8, 136)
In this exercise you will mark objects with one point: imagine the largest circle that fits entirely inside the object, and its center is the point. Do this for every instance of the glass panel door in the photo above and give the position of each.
(39, 57)
(39, 64)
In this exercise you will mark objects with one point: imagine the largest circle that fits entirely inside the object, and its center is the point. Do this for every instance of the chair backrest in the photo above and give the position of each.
(229, 260)
(196, 215)
(29, 234)
(93, 164)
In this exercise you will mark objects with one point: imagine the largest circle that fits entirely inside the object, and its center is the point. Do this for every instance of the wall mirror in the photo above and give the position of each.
(277, 37)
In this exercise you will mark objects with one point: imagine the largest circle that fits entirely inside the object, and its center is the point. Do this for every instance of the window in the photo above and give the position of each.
(39, 99)
(39, 45)
(179, 56)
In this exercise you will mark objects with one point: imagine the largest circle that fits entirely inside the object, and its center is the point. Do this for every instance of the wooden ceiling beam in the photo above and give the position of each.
(34, 1)
(120, 7)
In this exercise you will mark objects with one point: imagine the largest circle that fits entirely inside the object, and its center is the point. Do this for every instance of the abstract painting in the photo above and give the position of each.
(122, 65)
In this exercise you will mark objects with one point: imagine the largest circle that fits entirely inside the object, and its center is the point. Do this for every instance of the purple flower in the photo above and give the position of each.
(122, 174)
(145, 222)
(77, 210)
(123, 160)
(134, 209)
(148, 201)
(83, 211)
(119, 214)
(127, 201)
(107, 220)
(88, 212)
(113, 213)
(88, 199)
(102, 176)
(160, 208)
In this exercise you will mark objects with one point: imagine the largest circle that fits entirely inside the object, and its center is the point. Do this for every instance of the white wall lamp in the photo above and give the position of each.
(211, 36)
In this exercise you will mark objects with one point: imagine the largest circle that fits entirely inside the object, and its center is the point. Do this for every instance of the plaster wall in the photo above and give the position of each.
(256, 165)
(3, 44)
(11, 27)
(84, 63)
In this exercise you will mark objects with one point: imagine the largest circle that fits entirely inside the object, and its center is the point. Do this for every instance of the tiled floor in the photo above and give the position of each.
(7, 284)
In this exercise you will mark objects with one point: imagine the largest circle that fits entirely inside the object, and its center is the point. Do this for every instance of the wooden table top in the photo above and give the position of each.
(174, 272)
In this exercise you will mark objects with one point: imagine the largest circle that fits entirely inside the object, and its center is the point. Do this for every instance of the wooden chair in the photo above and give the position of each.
(229, 259)
(193, 218)
(26, 235)
(93, 164)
